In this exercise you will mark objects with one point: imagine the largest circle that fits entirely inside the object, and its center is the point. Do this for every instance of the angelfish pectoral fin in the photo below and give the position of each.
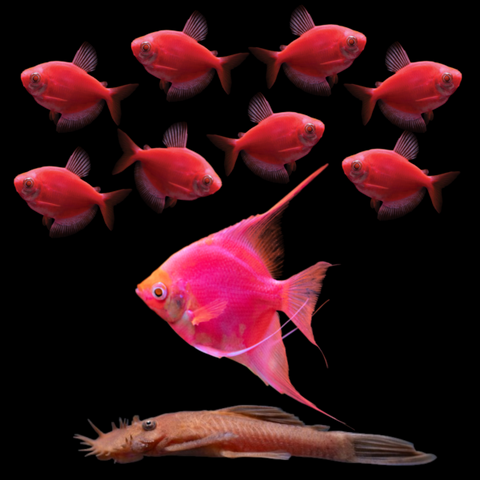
(209, 311)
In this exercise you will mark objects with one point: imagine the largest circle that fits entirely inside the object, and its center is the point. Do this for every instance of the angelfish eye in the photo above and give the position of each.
(351, 41)
(159, 291)
(356, 166)
(447, 77)
(148, 425)
(35, 77)
(145, 46)
(207, 180)
(28, 182)
(310, 128)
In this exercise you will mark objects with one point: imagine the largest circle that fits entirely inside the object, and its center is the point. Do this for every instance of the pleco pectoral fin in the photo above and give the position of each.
(272, 455)
(68, 226)
(407, 121)
(268, 171)
(185, 90)
(150, 195)
(70, 122)
(201, 442)
(399, 208)
(308, 83)
(209, 311)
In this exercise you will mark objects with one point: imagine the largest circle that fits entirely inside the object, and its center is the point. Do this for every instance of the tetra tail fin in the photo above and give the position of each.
(228, 146)
(110, 200)
(270, 58)
(435, 188)
(117, 94)
(364, 94)
(226, 65)
(130, 149)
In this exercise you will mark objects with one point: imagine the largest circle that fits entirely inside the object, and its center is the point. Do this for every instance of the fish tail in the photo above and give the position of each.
(435, 188)
(130, 149)
(228, 146)
(304, 287)
(364, 94)
(117, 94)
(270, 58)
(109, 201)
(225, 65)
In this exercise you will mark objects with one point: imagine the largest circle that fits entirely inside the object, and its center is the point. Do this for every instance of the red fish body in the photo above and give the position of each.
(389, 179)
(313, 61)
(184, 66)
(63, 198)
(271, 148)
(414, 90)
(220, 295)
(174, 172)
(67, 89)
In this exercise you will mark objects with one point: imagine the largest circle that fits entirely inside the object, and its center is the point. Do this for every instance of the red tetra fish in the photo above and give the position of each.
(70, 93)
(313, 61)
(245, 431)
(395, 185)
(183, 66)
(220, 295)
(64, 199)
(271, 148)
(414, 90)
(174, 172)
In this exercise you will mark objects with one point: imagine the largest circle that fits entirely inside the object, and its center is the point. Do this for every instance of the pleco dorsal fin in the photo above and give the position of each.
(196, 27)
(301, 21)
(396, 58)
(86, 57)
(407, 145)
(176, 135)
(259, 109)
(79, 162)
(267, 414)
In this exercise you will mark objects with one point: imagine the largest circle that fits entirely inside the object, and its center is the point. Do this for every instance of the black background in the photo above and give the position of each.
(87, 347)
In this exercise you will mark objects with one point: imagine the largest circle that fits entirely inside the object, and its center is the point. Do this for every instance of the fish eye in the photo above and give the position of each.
(28, 183)
(447, 77)
(351, 41)
(145, 46)
(207, 180)
(148, 425)
(159, 291)
(309, 128)
(357, 166)
(35, 77)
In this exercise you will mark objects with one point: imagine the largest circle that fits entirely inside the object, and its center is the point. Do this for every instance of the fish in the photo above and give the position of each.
(220, 294)
(410, 95)
(73, 97)
(183, 66)
(165, 175)
(313, 61)
(67, 203)
(244, 431)
(395, 185)
(271, 148)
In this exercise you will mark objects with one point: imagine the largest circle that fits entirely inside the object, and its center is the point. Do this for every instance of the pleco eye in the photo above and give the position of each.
(310, 128)
(356, 166)
(447, 77)
(351, 41)
(149, 425)
(145, 46)
(159, 291)
(207, 180)
(35, 77)
(28, 182)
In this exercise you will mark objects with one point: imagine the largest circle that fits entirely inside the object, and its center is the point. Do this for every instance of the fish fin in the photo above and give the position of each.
(54, 116)
(176, 135)
(104, 84)
(47, 221)
(147, 147)
(396, 58)
(196, 27)
(228, 146)
(407, 145)
(170, 202)
(308, 83)
(150, 195)
(111, 199)
(271, 455)
(399, 208)
(226, 65)
(201, 442)
(267, 171)
(258, 108)
(79, 162)
(376, 204)
(364, 94)
(265, 414)
(70, 122)
(185, 90)
(63, 227)
(435, 188)
(130, 149)
(304, 287)
(97, 189)
(319, 428)
(270, 58)
(164, 85)
(332, 80)
(408, 121)
(377, 84)
(241, 134)
(301, 21)
(116, 95)
(425, 171)
(427, 117)
(282, 47)
(86, 58)
(211, 310)
(214, 53)
(290, 167)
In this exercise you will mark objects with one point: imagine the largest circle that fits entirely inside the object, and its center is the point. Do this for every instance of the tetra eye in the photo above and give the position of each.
(351, 41)
(145, 46)
(159, 291)
(149, 425)
(447, 77)
(35, 77)
(207, 180)
(356, 166)
(309, 128)
(28, 182)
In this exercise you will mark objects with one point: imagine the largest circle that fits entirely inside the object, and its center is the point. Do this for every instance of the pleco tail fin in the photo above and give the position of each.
(226, 64)
(435, 189)
(110, 200)
(364, 94)
(117, 94)
(270, 58)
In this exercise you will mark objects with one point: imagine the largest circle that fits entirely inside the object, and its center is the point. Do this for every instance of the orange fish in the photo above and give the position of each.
(271, 148)
(414, 90)
(245, 431)
(64, 199)
(183, 66)
(66, 89)
(313, 61)
(174, 172)
(395, 185)
(220, 295)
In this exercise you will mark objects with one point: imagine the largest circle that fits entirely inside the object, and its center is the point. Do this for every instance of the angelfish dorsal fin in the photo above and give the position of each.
(176, 135)
(79, 162)
(396, 58)
(407, 145)
(86, 58)
(301, 21)
(196, 27)
(259, 108)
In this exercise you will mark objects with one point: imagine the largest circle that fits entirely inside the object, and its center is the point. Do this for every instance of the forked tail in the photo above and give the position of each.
(117, 94)
(228, 146)
(130, 149)
(110, 200)
(271, 59)
(226, 65)
(364, 94)
(435, 189)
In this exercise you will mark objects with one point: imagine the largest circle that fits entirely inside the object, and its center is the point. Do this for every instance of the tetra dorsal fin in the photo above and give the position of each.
(176, 135)
(258, 108)
(86, 58)
(79, 162)
(266, 414)
(407, 145)
(396, 58)
(196, 27)
(301, 21)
